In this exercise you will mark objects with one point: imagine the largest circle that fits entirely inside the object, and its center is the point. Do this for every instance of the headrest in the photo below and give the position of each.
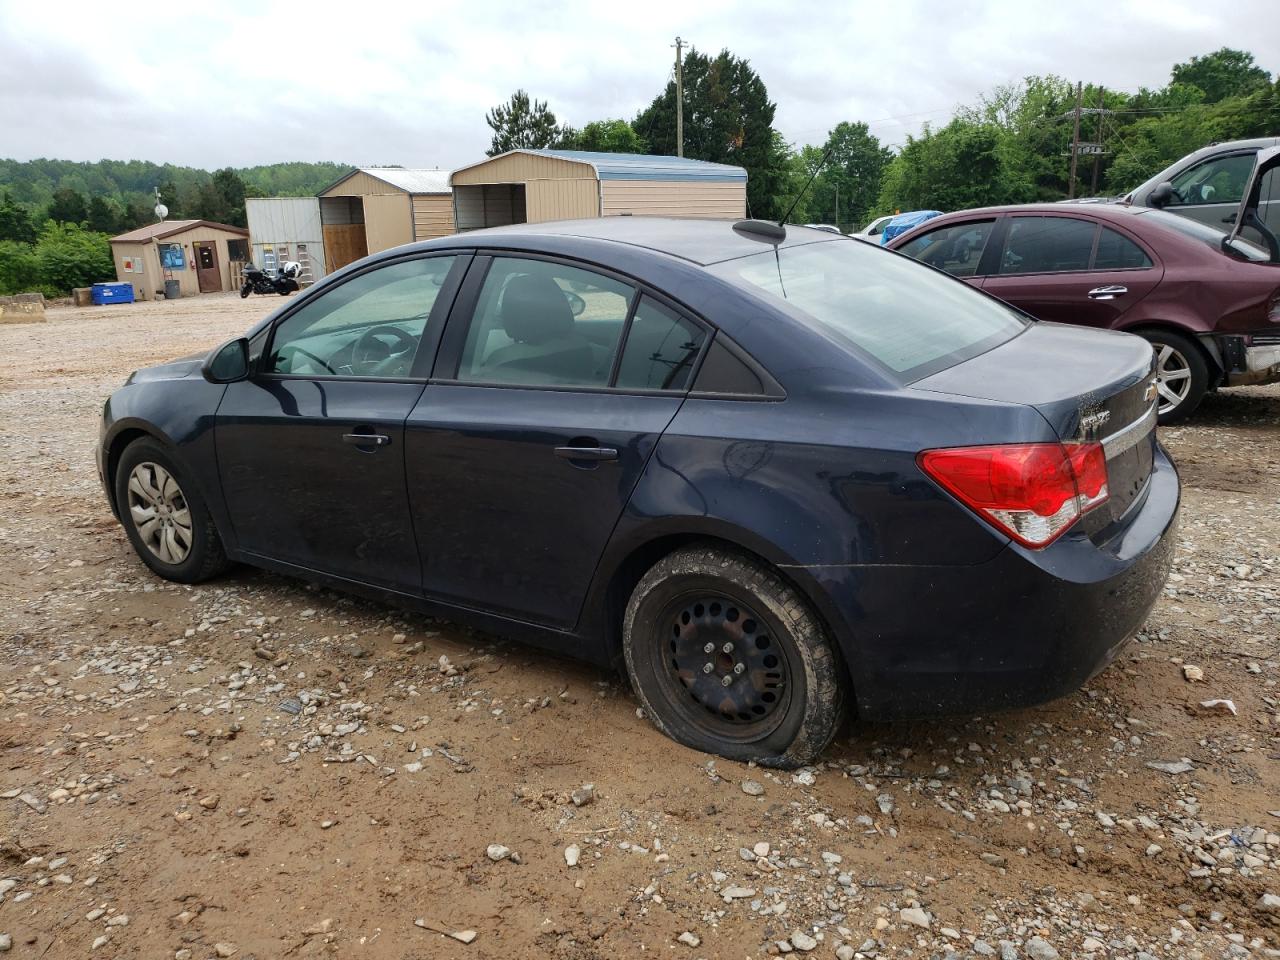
(535, 310)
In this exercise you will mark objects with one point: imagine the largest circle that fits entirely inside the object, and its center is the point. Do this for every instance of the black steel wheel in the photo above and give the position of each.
(727, 657)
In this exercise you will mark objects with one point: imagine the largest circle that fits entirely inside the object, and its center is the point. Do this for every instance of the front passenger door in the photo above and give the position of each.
(311, 448)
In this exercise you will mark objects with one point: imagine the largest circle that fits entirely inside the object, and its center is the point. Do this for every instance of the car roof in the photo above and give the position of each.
(698, 241)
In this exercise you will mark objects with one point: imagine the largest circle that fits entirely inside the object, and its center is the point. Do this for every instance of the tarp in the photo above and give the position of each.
(905, 221)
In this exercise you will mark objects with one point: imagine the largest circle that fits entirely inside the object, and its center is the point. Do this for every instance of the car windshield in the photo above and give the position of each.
(1206, 234)
(912, 319)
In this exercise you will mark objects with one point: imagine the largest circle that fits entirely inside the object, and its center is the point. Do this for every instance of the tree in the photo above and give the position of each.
(728, 118)
(19, 272)
(222, 199)
(1221, 74)
(69, 256)
(954, 168)
(170, 198)
(68, 206)
(610, 136)
(104, 215)
(847, 188)
(522, 123)
(15, 220)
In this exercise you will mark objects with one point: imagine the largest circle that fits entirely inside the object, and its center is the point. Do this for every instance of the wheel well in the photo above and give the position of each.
(114, 452)
(1211, 357)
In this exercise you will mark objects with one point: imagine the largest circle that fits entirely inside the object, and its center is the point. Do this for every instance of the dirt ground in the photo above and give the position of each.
(258, 768)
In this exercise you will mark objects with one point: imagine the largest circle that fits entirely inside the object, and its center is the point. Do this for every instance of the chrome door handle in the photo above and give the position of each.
(366, 439)
(587, 453)
(1109, 292)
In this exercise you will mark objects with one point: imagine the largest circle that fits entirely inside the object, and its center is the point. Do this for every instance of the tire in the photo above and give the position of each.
(204, 556)
(245, 289)
(1183, 357)
(786, 704)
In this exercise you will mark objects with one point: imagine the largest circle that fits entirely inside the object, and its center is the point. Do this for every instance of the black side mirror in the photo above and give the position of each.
(228, 363)
(1161, 195)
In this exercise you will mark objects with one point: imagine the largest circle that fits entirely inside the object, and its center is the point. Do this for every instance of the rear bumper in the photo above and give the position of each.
(1021, 629)
(1249, 360)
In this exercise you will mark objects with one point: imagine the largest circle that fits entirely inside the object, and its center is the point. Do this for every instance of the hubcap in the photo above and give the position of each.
(726, 667)
(159, 512)
(1173, 377)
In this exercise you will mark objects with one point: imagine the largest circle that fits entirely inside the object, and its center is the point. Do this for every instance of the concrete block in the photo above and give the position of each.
(22, 308)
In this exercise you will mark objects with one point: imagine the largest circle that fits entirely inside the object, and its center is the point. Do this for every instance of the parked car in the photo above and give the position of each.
(732, 458)
(871, 232)
(1207, 185)
(1210, 307)
(906, 221)
(829, 228)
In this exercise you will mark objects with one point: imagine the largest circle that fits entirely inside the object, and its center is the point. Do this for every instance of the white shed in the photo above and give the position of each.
(287, 228)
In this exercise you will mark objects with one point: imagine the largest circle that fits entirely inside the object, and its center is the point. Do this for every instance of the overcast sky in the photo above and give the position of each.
(230, 83)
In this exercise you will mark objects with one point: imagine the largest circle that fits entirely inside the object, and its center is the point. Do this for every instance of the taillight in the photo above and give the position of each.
(1031, 491)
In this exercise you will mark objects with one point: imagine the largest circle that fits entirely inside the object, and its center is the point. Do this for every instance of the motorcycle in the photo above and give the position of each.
(284, 281)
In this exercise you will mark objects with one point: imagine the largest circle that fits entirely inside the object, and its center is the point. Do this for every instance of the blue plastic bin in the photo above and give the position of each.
(112, 293)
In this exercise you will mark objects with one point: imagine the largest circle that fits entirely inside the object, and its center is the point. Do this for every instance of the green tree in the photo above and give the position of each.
(171, 198)
(104, 214)
(956, 167)
(609, 136)
(68, 206)
(67, 256)
(728, 118)
(523, 123)
(221, 199)
(847, 188)
(15, 220)
(19, 271)
(1222, 74)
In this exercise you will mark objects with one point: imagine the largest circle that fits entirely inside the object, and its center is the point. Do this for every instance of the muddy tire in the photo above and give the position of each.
(727, 657)
(164, 516)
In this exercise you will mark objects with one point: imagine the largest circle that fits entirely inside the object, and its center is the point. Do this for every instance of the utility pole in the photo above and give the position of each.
(679, 97)
(1075, 143)
(1097, 157)
(837, 204)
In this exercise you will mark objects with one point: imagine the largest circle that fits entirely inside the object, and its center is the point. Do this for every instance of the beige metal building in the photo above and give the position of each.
(376, 208)
(204, 257)
(531, 186)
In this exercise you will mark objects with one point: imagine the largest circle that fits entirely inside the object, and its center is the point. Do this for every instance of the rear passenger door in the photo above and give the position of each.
(1071, 270)
(553, 386)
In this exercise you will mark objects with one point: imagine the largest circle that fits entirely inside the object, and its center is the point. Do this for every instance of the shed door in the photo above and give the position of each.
(207, 272)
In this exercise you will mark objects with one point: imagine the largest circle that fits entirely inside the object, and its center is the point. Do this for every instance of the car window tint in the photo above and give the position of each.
(369, 326)
(1047, 245)
(956, 249)
(661, 349)
(544, 323)
(1118, 252)
(1221, 180)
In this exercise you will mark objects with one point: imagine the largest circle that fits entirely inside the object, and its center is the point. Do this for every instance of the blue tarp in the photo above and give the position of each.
(905, 221)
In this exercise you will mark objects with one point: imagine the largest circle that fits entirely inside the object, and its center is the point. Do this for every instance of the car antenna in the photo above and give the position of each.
(771, 232)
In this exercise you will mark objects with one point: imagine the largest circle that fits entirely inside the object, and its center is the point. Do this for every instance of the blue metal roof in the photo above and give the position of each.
(640, 166)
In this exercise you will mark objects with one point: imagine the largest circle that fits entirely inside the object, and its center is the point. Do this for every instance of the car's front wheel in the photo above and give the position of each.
(727, 657)
(1182, 375)
(164, 516)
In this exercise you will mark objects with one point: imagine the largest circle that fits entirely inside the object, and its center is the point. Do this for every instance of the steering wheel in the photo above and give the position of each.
(361, 352)
(311, 356)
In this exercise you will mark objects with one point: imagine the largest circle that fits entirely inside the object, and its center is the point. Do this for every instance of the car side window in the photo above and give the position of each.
(1118, 252)
(956, 249)
(369, 326)
(1219, 180)
(1047, 245)
(540, 323)
(661, 349)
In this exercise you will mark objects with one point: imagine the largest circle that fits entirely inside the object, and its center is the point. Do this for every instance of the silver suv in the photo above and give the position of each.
(1207, 185)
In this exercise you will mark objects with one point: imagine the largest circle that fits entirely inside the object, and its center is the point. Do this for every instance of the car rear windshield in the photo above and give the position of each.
(908, 317)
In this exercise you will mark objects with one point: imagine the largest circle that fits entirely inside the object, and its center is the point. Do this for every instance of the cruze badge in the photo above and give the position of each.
(1093, 422)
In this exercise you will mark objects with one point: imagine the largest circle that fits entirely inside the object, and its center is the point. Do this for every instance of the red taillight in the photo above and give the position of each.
(1031, 491)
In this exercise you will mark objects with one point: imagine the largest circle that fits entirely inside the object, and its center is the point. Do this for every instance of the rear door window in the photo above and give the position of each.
(661, 349)
(957, 249)
(1118, 252)
(1047, 245)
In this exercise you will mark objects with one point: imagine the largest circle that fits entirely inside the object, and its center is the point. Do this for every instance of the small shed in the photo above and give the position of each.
(286, 228)
(532, 186)
(376, 208)
(203, 256)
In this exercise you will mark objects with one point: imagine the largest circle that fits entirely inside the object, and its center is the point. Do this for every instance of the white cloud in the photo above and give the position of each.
(244, 83)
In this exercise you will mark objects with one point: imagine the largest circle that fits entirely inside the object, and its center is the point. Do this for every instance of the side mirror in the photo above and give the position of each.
(1161, 195)
(228, 363)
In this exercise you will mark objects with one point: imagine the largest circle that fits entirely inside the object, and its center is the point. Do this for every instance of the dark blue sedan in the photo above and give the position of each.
(781, 475)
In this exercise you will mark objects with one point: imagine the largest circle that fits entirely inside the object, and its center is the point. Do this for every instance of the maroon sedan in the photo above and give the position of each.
(1209, 304)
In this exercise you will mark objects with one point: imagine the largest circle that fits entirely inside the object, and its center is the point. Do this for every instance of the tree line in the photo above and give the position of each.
(1011, 146)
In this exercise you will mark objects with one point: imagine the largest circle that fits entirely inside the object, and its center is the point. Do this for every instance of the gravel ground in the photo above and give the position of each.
(259, 768)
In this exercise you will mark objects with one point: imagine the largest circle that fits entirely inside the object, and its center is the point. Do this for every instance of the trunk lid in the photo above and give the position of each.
(1088, 384)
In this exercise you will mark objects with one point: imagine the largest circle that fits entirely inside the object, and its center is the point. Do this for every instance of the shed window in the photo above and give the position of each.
(238, 251)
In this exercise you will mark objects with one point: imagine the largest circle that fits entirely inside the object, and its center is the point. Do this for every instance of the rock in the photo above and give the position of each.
(803, 942)
(6, 943)
(1171, 767)
(1269, 904)
(752, 788)
(573, 853)
(119, 920)
(225, 949)
(831, 859)
(915, 916)
(761, 849)
(34, 802)
(183, 954)
(845, 952)
(993, 859)
(7, 884)
(584, 795)
(1192, 674)
(805, 778)
(737, 893)
(413, 767)
(463, 936)
(323, 927)
(1218, 706)
(101, 941)
(210, 802)
(1038, 949)
(688, 939)
(497, 852)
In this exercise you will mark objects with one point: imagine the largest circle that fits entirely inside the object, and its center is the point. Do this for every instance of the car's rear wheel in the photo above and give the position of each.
(726, 657)
(1182, 375)
(167, 522)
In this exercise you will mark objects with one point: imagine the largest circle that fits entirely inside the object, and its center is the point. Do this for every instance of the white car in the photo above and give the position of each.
(871, 232)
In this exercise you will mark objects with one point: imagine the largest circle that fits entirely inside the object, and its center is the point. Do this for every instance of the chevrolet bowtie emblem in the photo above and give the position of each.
(1150, 393)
